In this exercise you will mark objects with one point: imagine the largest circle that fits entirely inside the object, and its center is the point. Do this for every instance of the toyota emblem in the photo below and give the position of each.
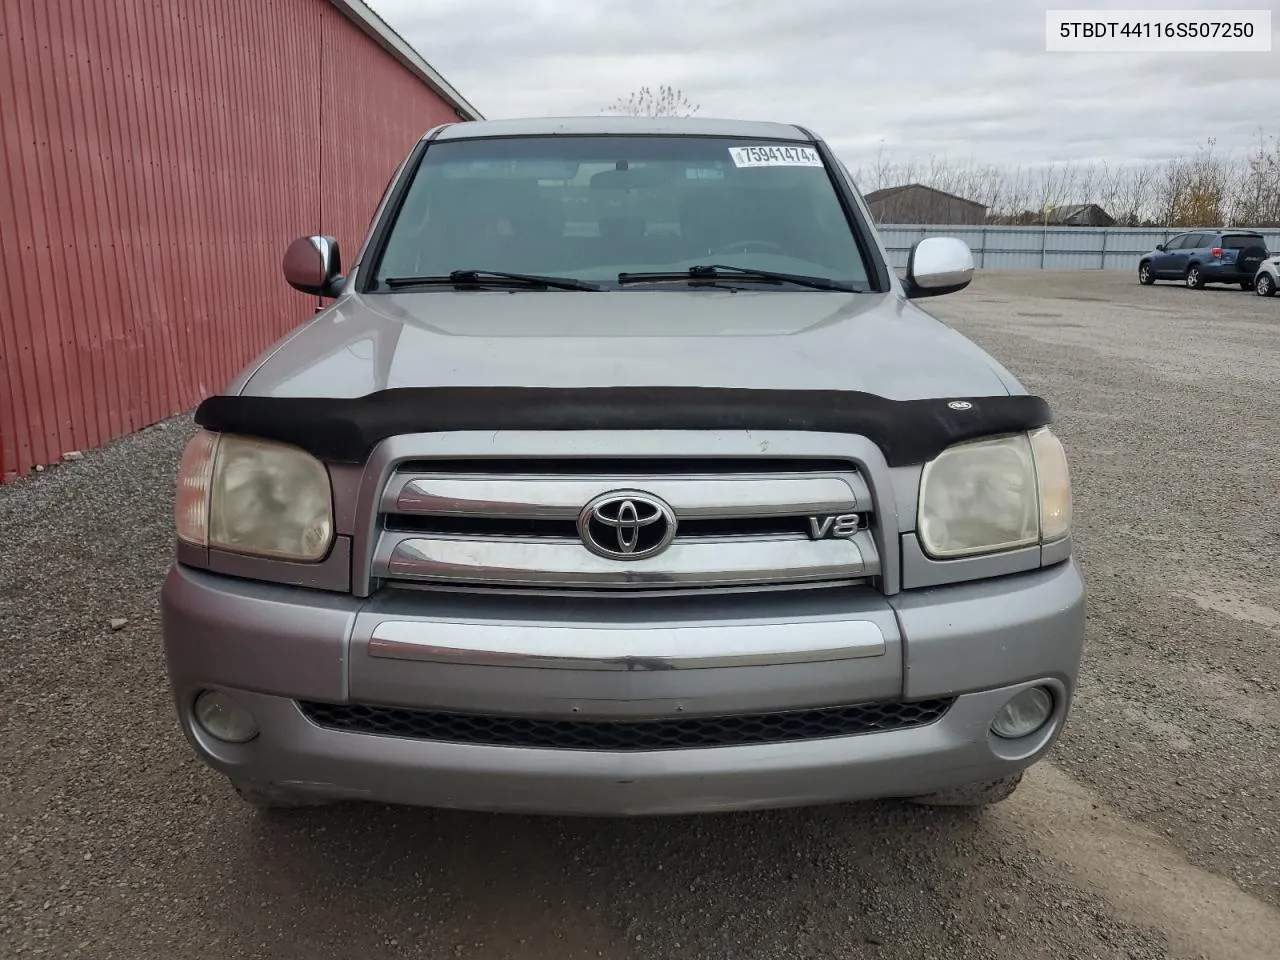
(626, 525)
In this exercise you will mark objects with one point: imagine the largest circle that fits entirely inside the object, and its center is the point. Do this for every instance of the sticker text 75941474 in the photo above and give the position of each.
(775, 155)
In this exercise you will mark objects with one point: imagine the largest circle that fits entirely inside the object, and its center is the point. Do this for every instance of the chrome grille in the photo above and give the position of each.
(514, 524)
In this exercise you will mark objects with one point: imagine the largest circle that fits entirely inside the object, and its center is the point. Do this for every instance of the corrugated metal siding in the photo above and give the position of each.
(157, 157)
(1035, 248)
(384, 108)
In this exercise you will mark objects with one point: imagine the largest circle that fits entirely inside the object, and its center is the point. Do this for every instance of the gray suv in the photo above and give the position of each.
(623, 475)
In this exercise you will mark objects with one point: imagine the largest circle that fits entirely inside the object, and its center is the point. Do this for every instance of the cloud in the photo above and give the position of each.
(926, 77)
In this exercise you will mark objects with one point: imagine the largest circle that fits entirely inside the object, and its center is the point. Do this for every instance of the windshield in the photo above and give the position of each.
(589, 208)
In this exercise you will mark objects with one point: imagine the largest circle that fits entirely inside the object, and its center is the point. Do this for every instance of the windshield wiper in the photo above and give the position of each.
(721, 272)
(492, 278)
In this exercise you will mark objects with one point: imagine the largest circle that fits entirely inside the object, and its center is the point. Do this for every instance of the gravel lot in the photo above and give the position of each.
(1154, 832)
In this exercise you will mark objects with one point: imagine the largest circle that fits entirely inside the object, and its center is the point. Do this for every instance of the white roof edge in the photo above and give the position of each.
(362, 15)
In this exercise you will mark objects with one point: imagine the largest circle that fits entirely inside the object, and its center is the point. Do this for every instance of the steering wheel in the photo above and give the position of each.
(744, 245)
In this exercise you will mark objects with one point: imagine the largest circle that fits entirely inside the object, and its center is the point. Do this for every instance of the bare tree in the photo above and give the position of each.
(667, 101)
(1110, 185)
(1195, 190)
(1017, 195)
(1257, 188)
(1205, 188)
(993, 189)
(1131, 204)
(881, 170)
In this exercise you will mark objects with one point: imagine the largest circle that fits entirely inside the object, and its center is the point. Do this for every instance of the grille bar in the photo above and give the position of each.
(556, 563)
(543, 497)
(675, 733)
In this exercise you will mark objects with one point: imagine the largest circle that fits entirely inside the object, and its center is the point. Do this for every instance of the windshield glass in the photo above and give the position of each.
(593, 207)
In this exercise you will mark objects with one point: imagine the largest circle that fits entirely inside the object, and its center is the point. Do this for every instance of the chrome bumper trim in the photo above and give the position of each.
(626, 648)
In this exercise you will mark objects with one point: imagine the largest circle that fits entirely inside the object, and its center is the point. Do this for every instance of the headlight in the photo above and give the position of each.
(254, 496)
(990, 495)
(1053, 481)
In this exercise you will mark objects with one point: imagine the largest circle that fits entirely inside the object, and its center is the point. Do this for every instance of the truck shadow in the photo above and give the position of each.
(807, 881)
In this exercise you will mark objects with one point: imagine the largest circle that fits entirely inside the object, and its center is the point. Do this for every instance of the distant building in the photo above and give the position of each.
(916, 203)
(1080, 215)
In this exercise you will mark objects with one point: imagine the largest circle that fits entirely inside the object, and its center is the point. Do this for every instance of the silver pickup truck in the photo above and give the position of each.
(623, 475)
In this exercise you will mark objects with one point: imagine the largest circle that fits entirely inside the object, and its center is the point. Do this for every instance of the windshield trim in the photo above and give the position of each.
(376, 246)
(877, 267)
(874, 264)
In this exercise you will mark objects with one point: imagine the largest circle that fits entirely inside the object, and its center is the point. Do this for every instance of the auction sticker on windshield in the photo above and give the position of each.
(775, 155)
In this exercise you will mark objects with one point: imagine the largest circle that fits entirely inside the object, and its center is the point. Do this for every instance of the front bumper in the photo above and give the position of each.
(270, 647)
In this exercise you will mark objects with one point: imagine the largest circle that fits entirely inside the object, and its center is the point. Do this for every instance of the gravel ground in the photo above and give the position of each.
(1153, 833)
(1167, 402)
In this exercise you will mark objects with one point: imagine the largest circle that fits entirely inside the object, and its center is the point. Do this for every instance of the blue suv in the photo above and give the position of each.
(1206, 256)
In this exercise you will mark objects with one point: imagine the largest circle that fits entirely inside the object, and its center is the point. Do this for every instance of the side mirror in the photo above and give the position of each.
(1160, 247)
(937, 266)
(314, 265)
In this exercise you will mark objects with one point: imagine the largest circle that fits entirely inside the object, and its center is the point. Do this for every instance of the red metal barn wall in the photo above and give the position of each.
(157, 158)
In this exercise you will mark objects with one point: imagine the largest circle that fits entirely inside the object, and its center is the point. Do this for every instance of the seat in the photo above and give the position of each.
(493, 225)
(623, 242)
(537, 228)
(709, 222)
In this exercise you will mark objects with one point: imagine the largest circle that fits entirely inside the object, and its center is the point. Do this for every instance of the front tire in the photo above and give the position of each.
(972, 794)
(1264, 285)
(1146, 276)
(1195, 277)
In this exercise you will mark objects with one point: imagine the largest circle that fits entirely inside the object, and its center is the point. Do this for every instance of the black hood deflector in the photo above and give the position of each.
(347, 430)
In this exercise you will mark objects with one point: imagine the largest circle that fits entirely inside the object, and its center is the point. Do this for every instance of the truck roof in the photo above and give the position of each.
(605, 125)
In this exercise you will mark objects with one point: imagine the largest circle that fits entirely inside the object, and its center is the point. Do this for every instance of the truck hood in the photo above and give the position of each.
(794, 340)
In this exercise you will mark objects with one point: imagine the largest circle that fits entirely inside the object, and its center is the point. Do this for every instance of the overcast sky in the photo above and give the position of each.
(964, 79)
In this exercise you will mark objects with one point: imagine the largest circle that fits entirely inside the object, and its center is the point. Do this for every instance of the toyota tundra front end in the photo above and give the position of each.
(623, 475)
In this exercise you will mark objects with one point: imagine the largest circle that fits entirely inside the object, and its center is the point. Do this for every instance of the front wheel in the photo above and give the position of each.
(1146, 276)
(1264, 285)
(1195, 279)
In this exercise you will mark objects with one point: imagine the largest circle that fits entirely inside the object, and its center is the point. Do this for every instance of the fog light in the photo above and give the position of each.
(223, 718)
(1023, 714)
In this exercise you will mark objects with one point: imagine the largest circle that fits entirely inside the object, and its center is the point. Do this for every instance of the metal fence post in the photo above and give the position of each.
(1103, 264)
(982, 250)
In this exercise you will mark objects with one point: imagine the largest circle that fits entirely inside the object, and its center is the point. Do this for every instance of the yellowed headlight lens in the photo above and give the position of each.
(270, 500)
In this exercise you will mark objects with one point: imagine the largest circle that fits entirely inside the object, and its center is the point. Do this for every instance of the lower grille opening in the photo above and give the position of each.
(673, 733)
